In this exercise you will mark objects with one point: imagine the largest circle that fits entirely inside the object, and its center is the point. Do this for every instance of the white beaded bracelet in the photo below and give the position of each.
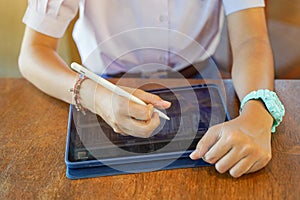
(76, 94)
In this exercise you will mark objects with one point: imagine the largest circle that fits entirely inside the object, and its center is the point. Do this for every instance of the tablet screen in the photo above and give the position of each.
(193, 111)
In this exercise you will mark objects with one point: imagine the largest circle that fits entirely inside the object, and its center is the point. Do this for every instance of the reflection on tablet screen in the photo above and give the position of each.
(190, 117)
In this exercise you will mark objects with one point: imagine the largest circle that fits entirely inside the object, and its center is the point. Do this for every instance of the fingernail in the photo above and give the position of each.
(166, 103)
(194, 154)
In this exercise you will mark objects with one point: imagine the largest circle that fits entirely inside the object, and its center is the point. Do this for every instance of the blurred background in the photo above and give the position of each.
(283, 22)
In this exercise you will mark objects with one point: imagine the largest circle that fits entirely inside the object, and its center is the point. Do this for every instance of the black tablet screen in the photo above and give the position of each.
(193, 111)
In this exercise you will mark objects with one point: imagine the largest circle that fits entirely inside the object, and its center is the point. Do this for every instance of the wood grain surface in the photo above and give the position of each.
(33, 129)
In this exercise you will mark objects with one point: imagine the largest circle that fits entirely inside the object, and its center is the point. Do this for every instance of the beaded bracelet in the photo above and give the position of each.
(75, 93)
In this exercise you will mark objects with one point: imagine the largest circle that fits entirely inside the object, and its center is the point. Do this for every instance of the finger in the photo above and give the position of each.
(229, 160)
(208, 140)
(260, 164)
(241, 167)
(118, 130)
(122, 132)
(140, 112)
(139, 128)
(152, 99)
(217, 151)
(124, 108)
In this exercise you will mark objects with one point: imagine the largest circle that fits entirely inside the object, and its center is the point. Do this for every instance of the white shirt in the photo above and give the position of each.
(122, 35)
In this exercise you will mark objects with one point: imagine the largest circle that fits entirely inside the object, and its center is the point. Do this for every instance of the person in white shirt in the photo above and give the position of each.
(112, 27)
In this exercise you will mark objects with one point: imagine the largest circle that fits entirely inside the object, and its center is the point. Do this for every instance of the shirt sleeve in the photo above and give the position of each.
(50, 17)
(231, 6)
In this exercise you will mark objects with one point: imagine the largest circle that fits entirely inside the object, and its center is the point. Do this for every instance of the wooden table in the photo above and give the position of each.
(33, 129)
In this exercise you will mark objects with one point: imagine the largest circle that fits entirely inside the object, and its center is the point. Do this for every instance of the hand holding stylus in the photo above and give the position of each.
(112, 87)
(139, 119)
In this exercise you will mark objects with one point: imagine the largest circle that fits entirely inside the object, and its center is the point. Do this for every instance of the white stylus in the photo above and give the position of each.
(112, 87)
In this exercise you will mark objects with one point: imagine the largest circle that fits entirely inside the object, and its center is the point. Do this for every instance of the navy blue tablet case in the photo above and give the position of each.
(87, 155)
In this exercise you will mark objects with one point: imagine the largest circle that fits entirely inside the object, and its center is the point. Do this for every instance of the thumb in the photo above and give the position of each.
(206, 142)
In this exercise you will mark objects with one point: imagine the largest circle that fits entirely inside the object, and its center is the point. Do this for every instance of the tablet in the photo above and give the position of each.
(93, 145)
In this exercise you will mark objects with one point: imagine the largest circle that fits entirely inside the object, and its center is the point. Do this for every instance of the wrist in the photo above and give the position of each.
(271, 102)
(87, 94)
(257, 111)
(94, 97)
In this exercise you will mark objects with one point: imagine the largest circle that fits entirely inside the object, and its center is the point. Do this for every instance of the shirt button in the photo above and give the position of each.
(163, 18)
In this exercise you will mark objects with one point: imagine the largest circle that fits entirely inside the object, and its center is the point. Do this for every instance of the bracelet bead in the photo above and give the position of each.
(75, 91)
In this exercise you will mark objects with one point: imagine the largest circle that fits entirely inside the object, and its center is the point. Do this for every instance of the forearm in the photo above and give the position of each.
(40, 64)
(253, 67)
(47, 71)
